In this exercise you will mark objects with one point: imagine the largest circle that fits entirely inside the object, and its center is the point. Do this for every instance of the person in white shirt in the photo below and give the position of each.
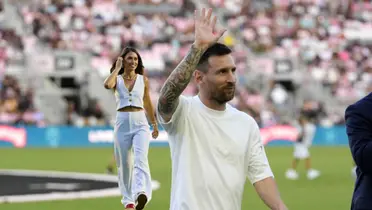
(301, 150)
(214, 147)
(131, 128)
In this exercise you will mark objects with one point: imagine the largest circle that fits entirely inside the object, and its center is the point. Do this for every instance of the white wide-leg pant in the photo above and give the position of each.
(132, 132)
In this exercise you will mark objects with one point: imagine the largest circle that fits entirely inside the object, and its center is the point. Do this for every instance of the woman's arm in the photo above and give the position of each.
(149, 108)
(110, 81)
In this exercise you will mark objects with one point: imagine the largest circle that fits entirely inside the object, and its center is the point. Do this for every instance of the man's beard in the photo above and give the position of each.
(223, 95)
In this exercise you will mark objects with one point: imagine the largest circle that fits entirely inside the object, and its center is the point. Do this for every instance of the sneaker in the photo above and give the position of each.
(291, 174)
(141, 201)
(129, 206)
(313, 174)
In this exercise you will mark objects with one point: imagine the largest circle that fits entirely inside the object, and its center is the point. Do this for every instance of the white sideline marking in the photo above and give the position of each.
(108, 192)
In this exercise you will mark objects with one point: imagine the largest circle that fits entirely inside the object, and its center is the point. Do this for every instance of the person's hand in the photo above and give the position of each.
(119, 63)
(206, 33)
(155, 132)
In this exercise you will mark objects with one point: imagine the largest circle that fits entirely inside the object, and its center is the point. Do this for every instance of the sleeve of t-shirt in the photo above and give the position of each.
(178, 114)
(258, 164)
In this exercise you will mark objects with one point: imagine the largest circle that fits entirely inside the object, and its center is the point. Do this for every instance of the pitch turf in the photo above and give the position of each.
(332, 191)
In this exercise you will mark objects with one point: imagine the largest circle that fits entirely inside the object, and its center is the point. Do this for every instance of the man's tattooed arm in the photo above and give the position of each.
(177, 82)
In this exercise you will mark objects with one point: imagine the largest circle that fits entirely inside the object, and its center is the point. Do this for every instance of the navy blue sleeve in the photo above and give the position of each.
(359, 132)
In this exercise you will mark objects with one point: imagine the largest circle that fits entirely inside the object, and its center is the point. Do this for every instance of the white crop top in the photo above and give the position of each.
(133, 98)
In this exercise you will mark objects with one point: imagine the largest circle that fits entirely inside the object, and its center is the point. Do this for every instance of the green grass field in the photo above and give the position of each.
(331, 191)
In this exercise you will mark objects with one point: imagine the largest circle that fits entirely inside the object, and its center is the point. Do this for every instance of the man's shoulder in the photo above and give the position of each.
(360, 104)
(241, 115)
(360, 108)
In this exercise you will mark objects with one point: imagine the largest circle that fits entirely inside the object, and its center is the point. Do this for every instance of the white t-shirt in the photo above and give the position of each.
(212, 154)
(308, 132)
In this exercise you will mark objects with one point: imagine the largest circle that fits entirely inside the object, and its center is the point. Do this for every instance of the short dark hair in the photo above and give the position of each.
(140, 67)
(216, 49)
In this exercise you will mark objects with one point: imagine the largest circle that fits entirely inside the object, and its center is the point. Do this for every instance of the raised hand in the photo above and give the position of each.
(205, 36)
(206, 33)
(119, 63)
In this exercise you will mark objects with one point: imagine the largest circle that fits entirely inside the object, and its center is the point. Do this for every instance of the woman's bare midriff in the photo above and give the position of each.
(130, 109)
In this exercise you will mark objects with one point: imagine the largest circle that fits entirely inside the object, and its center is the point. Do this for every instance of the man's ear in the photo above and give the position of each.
(198, 75)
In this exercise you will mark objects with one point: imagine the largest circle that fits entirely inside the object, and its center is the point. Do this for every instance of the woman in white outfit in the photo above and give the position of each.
(132, 130)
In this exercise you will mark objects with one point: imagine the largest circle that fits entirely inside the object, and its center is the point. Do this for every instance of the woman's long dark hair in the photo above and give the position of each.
(140, 67)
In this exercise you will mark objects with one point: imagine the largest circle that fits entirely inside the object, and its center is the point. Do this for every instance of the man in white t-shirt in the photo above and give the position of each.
(214, 147)
(301, 150)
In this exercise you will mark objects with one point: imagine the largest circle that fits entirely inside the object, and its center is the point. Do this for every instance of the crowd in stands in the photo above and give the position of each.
(16, 106)
(151, 2)
(16, 103)
(331, 38)
(92, 115)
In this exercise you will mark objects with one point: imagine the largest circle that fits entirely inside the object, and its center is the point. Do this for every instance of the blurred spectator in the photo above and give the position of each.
(93, 115)
(2, 12)
(17, 107)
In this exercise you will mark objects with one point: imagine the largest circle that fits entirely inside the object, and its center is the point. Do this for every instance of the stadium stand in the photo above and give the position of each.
(309, 56)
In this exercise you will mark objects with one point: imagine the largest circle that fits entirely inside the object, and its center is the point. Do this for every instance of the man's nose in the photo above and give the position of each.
(231, 78)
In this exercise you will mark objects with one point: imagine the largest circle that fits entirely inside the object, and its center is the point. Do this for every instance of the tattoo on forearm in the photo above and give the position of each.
(178, 81)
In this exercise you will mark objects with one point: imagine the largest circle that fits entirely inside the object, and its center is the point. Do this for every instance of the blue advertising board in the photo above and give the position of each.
(67, 136)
